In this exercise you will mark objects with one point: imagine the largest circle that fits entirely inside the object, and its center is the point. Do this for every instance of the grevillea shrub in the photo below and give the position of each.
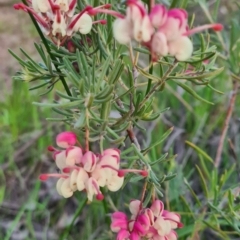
(114, 60)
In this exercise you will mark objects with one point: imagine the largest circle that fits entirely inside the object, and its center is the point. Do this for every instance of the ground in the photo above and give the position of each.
(16, 31)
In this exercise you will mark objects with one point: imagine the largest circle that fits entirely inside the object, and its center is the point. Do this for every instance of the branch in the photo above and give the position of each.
(226, 124)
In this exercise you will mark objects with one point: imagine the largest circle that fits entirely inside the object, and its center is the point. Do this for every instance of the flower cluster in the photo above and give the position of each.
(57, 20)
(83, 170)
(152, 223)
(163, 31)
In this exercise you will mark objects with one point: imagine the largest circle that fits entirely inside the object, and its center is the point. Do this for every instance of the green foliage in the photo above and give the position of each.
(103, 91)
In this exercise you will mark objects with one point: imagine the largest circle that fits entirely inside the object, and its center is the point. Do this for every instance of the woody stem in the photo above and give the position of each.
(143, 194)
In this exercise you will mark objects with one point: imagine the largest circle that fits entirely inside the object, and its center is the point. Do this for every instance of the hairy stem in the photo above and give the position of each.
(143, 194)
(87, 131)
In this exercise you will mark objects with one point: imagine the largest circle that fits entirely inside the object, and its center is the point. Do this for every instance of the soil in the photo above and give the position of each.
(16, 31)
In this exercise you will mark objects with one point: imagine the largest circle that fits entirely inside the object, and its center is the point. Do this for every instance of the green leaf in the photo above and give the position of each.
(63, 95)
(217, 229)
(60, 105)
(142, 50)
(161, 159)
(136, 178)
(174, 4)
(207, 75)
(122, 128)
(162, 138)
(119, 140)
(200, 151)
(81, 121)
(167, 177)
(185, 231)
(190, 91)
(192, 192)
(103, 100)
(116, 72)
(139, 153)
(151, 117)
(203, 182)
(107, 90)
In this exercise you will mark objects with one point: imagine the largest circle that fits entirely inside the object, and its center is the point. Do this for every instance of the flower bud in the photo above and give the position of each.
(66, 139)
(71, 47)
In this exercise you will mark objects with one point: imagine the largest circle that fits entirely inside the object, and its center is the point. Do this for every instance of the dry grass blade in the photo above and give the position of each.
(226, 124)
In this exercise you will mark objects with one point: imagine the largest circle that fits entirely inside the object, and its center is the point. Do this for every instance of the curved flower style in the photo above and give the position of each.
(152, 223)
(85, 170)
(163, 31)
(57, 20)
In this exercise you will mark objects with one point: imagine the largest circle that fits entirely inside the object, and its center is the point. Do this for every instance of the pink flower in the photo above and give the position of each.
(89, 161)
(129, 229)
(123, 234)
(114, 152)
(88, 171)
(158, 15)
(119, 221)
(164, 32)
(173, 218)
(136, 24)
(165, 221)
(134, 207)
(69, 157)
(74, 156)
(153, 223)
(107, 176)
(57, 20)
(66, 139)
(92, 189)
(132, 229)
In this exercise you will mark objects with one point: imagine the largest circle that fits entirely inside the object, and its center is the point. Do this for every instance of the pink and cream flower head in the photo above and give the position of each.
(152, 223)
(164, 32)
(57, 18)
(84, 170)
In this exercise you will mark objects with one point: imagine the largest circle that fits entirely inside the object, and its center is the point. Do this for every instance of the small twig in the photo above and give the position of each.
(87, 132)
(152, 3)
(86, 139)
(226, 124)
(130, 132)
(135, 74)
(131, 53)
(143, 194)
(133, 137)
(132, 108)
(153, 194)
